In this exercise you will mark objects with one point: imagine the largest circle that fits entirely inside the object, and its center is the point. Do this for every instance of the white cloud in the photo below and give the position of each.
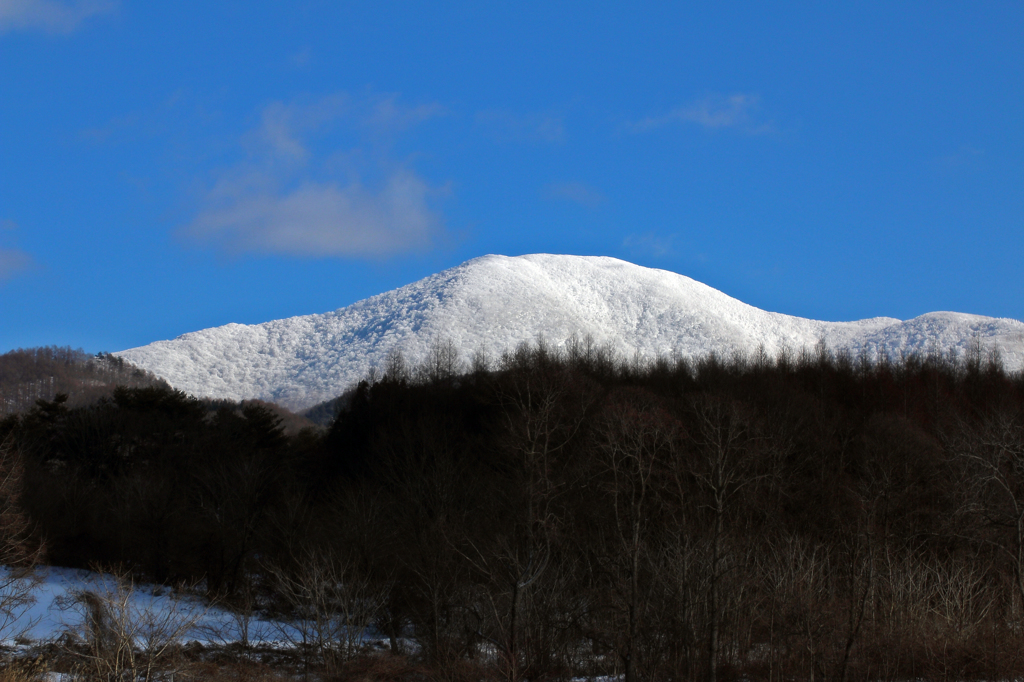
(714, 112)
(576, 192)
(284, 125)
(288, 199)
(324, 219)
(277, 131)
(50, 15)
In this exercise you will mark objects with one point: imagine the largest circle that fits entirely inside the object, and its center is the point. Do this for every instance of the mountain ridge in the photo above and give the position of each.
(492, 303)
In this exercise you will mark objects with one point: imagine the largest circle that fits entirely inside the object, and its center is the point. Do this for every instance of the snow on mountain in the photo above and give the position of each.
(493, 303)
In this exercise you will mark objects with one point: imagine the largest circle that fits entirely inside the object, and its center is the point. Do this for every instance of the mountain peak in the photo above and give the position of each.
(493, 303)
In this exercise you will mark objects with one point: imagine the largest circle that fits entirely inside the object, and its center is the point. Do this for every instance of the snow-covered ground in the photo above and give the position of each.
(494, 303)
(54, 610)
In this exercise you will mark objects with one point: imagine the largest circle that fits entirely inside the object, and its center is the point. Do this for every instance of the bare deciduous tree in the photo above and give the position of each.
(635, 437)
(18, 552)
(124, 634)
(722, 459)
(992, 454)
(330, 607)
(442, 362)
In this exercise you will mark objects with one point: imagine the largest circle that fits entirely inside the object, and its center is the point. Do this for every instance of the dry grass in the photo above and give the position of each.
(23, 670)
(384, 668)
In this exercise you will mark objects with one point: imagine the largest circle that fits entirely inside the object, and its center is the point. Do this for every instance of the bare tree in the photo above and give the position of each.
(992, 454)
(721, 458)
(124, 634)
(635, 438)
(797, 577)
(330, 606)
(442, 363)
(18, 552)
(544, 408)
(396, 368)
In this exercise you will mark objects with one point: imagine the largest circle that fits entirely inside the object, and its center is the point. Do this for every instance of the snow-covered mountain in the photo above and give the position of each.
(493, 303)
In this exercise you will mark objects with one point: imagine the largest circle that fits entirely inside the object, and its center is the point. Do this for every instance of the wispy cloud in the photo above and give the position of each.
(506, 126)
(284, 125)
(50, 16)
(287, 198)
(386, 115)
(324, 219)
(12, 261)
(648, 244)
(714, 112)
(576, 192)
(279, 136)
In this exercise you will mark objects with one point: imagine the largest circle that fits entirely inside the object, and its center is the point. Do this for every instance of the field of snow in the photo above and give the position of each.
(155, 612)
(53, 610)
(494, 303)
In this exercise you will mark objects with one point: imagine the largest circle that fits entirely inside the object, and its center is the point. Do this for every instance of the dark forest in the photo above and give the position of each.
(554, 514)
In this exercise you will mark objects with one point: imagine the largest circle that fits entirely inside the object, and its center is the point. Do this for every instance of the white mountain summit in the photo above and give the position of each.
(494, 303)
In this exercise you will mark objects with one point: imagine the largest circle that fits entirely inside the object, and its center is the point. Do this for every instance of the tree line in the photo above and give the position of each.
(30, 374)
(558, 513)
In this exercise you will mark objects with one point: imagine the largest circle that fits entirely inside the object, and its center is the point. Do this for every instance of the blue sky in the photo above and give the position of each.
(171, 166)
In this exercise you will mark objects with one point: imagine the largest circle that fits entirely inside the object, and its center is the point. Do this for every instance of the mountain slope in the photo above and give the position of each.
(493, 303)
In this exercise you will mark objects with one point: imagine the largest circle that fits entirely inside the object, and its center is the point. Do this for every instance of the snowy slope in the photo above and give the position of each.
(493, 303)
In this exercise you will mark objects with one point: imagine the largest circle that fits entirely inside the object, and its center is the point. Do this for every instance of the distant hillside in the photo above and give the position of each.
(491, 304)
(290, 422)
(30, 374)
